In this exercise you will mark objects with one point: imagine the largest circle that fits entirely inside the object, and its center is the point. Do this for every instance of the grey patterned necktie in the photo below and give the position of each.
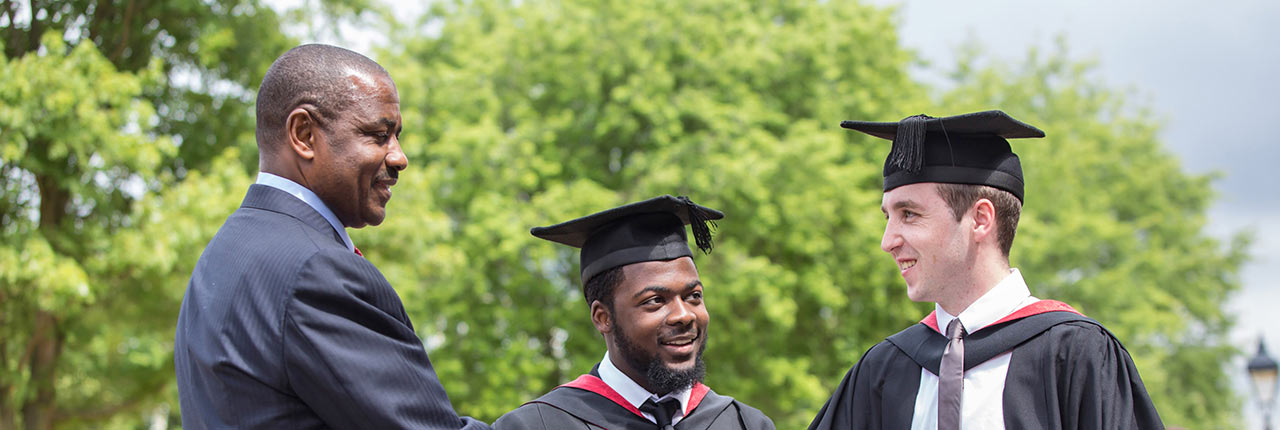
(662, 411)
(951, 378)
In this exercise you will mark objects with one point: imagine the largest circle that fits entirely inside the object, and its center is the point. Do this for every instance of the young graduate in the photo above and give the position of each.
(647, 301)
(991, 355)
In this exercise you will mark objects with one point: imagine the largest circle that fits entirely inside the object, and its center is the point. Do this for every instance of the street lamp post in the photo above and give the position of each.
(1263, 372)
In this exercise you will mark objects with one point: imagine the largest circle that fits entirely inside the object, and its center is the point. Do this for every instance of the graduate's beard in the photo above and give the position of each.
(665, 379)
(662, 378)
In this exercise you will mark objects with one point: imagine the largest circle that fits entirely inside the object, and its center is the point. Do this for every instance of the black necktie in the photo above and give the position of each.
(951, 378)
(662, 411)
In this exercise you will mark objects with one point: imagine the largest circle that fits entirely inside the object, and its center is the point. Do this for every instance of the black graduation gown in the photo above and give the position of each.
(589, 404)
(1066, 372)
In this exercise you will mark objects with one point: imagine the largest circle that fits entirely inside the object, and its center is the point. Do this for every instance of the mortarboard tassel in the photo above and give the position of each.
(908, 145)
(698, 223)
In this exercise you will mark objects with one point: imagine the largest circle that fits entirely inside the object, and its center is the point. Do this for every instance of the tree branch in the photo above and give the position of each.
(31, 347)
(37, 410)
(126, 25)
(33, 35)
(101, 16)
(6, 391)
(12, 31)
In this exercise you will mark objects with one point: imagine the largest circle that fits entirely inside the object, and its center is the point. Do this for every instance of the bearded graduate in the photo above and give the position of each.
(646, 300)
(991, 355)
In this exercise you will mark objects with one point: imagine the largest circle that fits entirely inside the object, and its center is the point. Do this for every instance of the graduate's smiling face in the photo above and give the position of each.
(657, 329)
(929, 246)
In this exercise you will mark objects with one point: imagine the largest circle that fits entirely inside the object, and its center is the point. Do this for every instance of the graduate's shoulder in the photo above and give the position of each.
(883, 350)
(1084, 337)
(752, 417)
(748, 415)
(874, 363)
(527, 416)
(538, 415)
(888, 349)
(747, 410)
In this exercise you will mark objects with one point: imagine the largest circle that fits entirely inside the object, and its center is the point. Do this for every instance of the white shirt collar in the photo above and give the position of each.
(1005, 298)
(634, 393)
(308, 197)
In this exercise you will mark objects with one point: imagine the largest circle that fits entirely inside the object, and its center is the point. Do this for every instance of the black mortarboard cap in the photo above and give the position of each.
(650, 230)
(962, 149)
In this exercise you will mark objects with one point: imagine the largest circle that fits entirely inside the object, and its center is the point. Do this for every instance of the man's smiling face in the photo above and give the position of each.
(925, 240)
(362, 158)
(660, 324)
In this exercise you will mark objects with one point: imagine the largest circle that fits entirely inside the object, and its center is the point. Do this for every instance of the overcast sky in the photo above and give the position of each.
(1210, 71)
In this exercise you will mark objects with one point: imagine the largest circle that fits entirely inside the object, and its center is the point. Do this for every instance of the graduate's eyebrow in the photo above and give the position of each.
(664, 290)
(901, 204)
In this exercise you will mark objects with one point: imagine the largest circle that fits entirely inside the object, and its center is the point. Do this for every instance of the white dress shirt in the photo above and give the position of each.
(635, 394)
(982, 404)
(311, 199)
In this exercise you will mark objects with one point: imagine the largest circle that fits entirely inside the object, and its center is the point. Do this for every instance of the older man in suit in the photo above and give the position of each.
(284, 324)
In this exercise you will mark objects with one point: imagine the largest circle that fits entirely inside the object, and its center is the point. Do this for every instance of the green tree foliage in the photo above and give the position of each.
(527, 113)
(73, 135)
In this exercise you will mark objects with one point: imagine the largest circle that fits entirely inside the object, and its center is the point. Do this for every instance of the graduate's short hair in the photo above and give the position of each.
(960, 197)
(315, 75)
(601, 287)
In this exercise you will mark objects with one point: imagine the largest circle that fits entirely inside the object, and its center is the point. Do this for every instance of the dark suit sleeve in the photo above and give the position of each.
(351, 354)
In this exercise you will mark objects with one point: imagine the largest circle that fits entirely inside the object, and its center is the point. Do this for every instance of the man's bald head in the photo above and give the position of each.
(317, 77)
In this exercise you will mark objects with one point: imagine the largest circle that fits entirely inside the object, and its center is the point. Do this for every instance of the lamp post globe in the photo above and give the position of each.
(1262, 373)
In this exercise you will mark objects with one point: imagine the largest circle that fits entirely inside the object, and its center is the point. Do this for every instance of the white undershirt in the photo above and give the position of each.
(635, 394)
(982, 404)
(311, 199)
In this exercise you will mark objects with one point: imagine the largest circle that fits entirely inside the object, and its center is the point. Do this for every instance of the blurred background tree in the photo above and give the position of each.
(139, 118)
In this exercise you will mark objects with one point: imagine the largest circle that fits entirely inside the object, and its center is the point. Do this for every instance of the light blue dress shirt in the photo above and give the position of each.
(310, 198)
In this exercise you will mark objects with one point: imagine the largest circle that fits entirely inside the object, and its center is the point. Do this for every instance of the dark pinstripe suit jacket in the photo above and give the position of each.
(283, 328)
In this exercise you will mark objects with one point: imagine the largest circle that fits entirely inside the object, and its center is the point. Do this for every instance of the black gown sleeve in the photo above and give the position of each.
(837, 413)
(878, 393)
(1105, 390)
(1083, 376)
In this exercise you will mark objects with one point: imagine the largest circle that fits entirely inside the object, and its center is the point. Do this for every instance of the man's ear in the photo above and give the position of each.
(984, 220)
(601, 317)
(301, 130)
